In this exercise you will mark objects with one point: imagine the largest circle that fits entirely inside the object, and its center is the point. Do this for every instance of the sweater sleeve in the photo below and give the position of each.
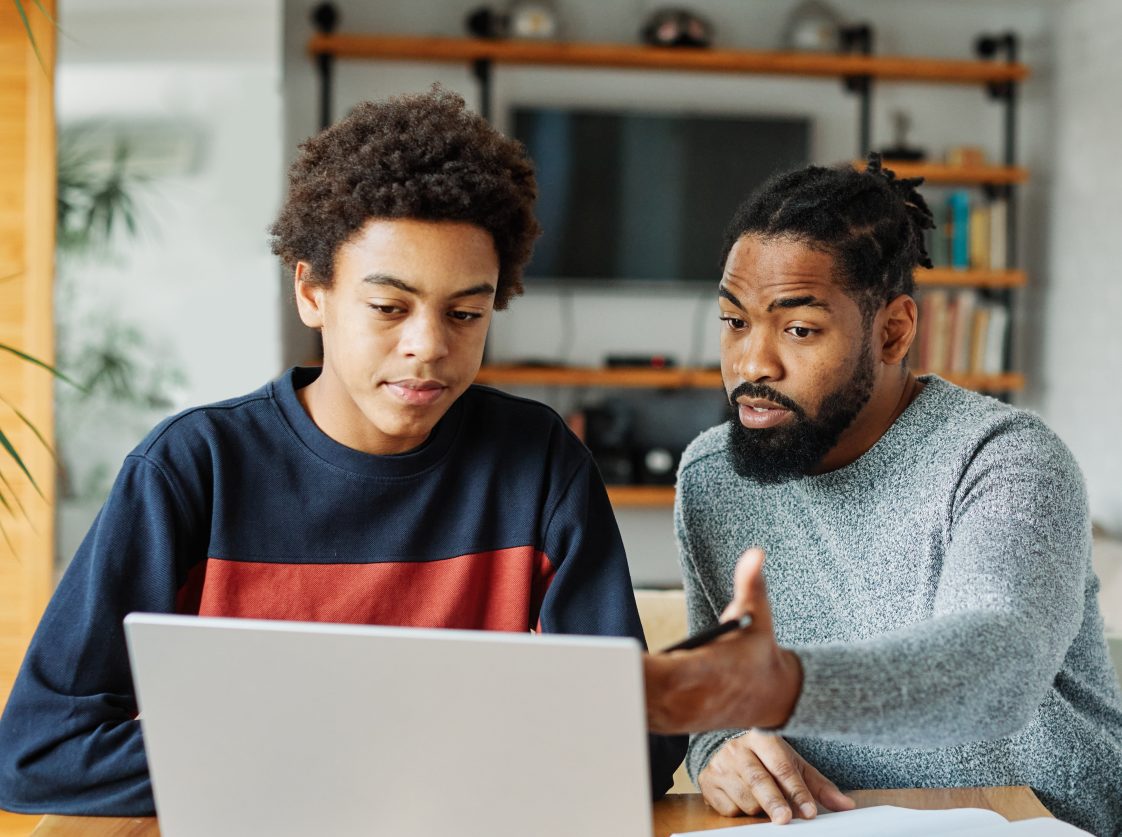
(591, 589)
(1008, 604)
(69, 739)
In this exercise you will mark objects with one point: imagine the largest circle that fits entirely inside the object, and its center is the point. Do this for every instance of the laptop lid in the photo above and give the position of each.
(287, 728)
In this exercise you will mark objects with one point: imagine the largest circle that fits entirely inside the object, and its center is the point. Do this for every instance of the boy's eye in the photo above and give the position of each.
(733, 323)
(801, 331)
(464, 316)
(386, 309)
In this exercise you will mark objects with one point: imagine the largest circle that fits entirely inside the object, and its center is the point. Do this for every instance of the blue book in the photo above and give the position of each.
(958, 208)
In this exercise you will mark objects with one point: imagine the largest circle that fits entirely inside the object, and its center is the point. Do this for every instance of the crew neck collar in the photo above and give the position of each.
(390, 466)
(894, 439)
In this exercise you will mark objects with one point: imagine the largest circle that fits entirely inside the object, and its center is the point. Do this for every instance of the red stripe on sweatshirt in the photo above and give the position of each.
(500, 590)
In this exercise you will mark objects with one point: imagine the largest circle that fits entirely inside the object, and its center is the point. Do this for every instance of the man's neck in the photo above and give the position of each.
(890, 399)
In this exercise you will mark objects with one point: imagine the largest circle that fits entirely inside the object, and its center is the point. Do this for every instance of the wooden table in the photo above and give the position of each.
(675, 813)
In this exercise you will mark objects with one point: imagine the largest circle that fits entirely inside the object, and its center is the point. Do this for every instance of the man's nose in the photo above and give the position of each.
(758, 361)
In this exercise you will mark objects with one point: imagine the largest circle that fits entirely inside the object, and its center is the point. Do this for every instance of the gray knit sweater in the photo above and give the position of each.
(940, 596)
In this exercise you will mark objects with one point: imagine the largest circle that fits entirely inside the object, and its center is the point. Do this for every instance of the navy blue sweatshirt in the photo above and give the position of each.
(499, 521)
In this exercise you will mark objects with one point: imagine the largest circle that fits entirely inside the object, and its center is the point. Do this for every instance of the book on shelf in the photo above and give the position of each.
(958, 210)
(960, 332)
(999, 232)
(970, 232)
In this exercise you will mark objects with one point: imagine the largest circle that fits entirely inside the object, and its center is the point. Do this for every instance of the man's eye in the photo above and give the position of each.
(385, 309)
(801, 331)
(464, 316)
(733, 323)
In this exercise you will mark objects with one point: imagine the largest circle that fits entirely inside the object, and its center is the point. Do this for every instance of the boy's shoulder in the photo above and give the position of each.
(231, 416)
(513, 419)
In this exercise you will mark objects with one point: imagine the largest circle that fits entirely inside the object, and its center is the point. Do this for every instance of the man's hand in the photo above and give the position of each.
(743, 679)
(758, 772)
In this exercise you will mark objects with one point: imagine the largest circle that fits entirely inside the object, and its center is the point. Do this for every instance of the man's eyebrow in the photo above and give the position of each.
(482, 289)
(722, 291)
(800, 302)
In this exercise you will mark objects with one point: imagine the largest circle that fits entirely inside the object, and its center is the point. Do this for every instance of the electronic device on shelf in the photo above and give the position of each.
(640, 362)
(638, 438)
(633, 195)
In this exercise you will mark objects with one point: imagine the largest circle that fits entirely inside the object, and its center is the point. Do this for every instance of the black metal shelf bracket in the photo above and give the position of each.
(481, 69)
(1005, 46)
(859, 39)
(996, 47)
(325, 18)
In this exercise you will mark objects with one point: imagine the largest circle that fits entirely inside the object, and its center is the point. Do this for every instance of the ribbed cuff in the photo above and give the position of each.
(704, 745)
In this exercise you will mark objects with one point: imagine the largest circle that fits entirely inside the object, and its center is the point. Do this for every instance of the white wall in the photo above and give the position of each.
(1079, 335)
(200, 281)
(612, 320)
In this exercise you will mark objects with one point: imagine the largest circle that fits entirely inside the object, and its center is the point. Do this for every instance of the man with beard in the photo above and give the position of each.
(933, 618)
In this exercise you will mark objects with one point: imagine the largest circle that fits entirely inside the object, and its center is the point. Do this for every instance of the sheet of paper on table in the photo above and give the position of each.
(889, 821)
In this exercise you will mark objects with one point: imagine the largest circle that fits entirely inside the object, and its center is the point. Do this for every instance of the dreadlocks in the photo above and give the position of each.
(870, 221)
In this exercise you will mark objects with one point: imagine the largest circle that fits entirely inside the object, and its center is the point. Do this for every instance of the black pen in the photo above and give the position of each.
(710, 634)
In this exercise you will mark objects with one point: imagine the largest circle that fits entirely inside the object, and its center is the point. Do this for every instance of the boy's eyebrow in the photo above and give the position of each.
(482, 289)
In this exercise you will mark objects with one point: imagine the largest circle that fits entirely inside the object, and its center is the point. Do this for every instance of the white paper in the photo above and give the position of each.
(1039, 827)
(879, 821)
(891, 821)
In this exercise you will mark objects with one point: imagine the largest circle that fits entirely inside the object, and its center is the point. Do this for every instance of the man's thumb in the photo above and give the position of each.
(749, 593)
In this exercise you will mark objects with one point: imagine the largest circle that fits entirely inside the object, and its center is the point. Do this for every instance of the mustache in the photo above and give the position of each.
(751, 390)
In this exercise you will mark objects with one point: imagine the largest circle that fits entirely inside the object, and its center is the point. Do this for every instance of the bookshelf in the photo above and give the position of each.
(944, 174)
(642, 378)
(996, 70)
(641, 57)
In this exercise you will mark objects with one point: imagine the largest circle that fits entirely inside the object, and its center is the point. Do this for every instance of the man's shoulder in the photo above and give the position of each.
(705, 451)
(973, 422)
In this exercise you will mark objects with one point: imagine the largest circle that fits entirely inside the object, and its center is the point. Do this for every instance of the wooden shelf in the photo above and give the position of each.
(950, 277)
(957, 175)
(568, 376)
(1003, 382)
(571, 376)
(630, 56)
(641, 496)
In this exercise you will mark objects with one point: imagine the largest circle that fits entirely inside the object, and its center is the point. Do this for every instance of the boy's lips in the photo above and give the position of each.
(415, 391)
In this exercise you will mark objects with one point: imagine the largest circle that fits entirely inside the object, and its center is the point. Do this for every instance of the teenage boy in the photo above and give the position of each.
(933, 617)
(382, 488)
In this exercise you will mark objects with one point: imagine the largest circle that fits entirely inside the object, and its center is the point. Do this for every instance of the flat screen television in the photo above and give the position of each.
(647, 196)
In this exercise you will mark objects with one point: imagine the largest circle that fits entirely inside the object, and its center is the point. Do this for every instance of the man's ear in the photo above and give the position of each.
(309, 296)
(898, 329)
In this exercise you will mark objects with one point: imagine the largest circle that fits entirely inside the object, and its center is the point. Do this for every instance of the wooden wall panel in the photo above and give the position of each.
(27, 213)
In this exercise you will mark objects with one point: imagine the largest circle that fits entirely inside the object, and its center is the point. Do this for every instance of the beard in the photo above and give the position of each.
(793, 450)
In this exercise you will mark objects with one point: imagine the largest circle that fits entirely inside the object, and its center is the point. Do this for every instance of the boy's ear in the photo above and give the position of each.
(899, 329)
(309, 296)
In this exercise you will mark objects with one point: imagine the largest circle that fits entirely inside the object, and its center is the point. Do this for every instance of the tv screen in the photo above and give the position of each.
(629, 195)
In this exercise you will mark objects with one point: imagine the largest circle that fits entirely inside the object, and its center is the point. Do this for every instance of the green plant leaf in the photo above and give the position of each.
(30, 34)
(46, 14)
(8, 541)
(32, 427)
(12, 452)
(60, 375)
(15, 497)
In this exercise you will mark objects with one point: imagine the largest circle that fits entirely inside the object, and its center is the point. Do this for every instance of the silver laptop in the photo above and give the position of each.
(291, 728)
